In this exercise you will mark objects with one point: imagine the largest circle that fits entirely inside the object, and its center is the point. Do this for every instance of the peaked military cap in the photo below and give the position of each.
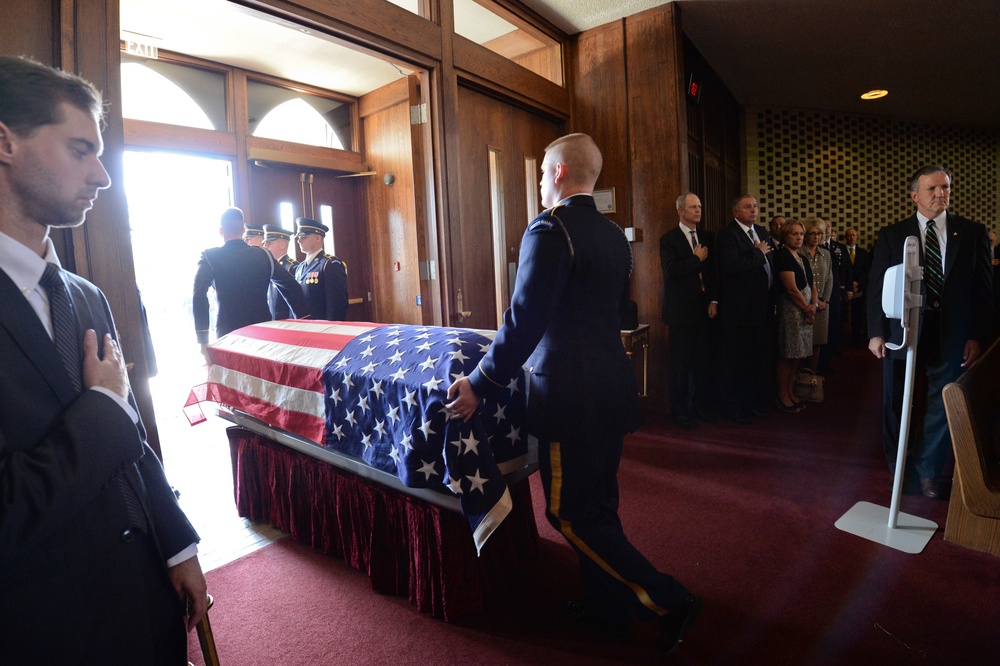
(275, 232)
(305, 226)
(251, 230)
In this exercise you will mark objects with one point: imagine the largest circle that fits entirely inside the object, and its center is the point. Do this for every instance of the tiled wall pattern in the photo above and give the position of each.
(856, 169)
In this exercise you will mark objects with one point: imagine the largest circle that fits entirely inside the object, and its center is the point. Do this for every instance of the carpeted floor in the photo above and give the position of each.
(743, 515)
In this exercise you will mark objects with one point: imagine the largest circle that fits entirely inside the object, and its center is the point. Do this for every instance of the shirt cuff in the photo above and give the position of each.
(118, 399)
(183, 556)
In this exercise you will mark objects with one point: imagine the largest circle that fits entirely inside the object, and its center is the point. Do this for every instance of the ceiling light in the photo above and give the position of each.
(874, 94)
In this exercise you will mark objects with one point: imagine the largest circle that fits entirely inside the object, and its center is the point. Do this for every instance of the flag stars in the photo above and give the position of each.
(477, 482)
(432, 383)
(350, 418)
(425, 427)
(399, 374)
(397, 357)
(458, 355)
(394, 454)
(424, 346)
(407, 442)
(455, 485)
(393, 413)
(471, 444)
(377, 388)
(342, 361)
(337, 432)
(428, 363)
(366, 439)
(335, 396)
(370, 368)
(363, 403)
(428, 470)
(514, 435)
(380, 428)
(367, 352)
(512, 386)
(348, 382)
(501, 413)
(408, 399)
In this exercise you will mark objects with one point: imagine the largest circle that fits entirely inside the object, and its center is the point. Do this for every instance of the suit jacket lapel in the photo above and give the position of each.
(22, 324)
(956, 235)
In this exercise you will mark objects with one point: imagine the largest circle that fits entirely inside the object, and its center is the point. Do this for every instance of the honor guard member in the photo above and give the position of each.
(323, 276)
(276, 242)
(563, 323)
(241, 275)
(253, 234)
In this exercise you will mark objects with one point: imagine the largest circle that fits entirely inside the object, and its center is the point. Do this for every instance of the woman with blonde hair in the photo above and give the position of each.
(821, 263)
(796, 312)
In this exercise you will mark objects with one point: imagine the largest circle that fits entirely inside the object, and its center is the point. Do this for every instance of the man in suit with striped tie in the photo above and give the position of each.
(98, 561)
(689, 306)
(954, 323)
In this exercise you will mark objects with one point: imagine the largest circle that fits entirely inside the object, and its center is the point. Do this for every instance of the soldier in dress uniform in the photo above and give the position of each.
(323, 276)
(253, 234)
(276, 242)
(563, 324)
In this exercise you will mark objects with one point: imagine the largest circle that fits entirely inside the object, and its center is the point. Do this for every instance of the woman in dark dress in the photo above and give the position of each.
(796, 313)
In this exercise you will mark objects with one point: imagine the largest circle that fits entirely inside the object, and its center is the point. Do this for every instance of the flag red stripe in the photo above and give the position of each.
(305, 337)
(287, 374)
(299, 423)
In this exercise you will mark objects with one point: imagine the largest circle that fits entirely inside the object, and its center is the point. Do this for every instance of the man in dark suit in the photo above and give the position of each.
(276, 242)
(954, 322)
(241, 275)
(745, 312)
(774, 231)
(98, 562)
(861, 262)
(323, 276)
(840, 298)
(689, 306)
(582, 399)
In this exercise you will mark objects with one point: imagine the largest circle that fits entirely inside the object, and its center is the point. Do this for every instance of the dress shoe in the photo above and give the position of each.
(931, 488)
(791, 409)
(760, 412)
(674, 624)
(684, 421)
(739, 419)
(577, 612)
(706, 416)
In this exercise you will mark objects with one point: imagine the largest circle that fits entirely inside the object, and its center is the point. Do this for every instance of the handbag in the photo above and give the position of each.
(809, 386)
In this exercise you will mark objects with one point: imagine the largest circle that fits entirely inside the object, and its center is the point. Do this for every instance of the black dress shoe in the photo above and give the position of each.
(684, 421)
(674, 624)
(931, 488)
(760, 412)
(576, 611)
(739, 419)
(706, 416)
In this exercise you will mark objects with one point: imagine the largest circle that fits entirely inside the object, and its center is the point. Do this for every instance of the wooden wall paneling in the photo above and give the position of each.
(174, 137)
(445, 120)
(35, 31)
(657, 130)
(392, 223)
(475, 239)
(428, 239)
(490, 71)
(103, 245)
(378, 24)
(600, 106)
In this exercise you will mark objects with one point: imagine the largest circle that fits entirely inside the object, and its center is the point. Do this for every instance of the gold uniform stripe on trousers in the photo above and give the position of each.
(566, 528)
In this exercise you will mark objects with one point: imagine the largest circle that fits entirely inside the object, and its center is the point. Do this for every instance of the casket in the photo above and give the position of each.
(345, 442)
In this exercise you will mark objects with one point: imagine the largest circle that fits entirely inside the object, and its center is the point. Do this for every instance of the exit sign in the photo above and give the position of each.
(140, 49)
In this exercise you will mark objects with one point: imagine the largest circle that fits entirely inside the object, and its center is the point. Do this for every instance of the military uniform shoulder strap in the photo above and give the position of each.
(548, 220)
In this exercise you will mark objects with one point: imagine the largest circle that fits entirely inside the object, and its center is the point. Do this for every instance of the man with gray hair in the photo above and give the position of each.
(955, 320)
(689, 306)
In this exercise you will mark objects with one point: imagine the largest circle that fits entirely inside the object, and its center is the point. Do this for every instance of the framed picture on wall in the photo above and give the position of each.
(605, 200)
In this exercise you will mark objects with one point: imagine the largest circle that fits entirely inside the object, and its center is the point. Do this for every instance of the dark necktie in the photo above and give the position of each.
(64, 329)
(694, 239)
(933, 273)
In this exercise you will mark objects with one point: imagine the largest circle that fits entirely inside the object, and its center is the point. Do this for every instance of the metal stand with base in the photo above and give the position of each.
(901, 300)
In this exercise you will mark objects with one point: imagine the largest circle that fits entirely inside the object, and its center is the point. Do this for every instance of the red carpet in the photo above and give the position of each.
(743, 515)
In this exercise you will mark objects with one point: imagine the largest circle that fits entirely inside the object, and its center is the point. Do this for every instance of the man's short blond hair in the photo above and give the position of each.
(580, 154)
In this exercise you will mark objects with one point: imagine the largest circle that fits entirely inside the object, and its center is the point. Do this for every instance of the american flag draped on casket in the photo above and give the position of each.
(377, 392)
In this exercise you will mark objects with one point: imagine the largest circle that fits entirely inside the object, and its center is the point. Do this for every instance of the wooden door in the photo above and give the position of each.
(497, 196)
(307, 193)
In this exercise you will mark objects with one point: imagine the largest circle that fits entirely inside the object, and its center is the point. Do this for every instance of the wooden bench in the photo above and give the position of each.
(973, 407)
